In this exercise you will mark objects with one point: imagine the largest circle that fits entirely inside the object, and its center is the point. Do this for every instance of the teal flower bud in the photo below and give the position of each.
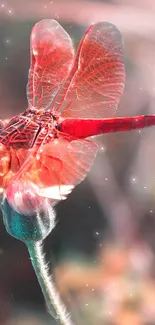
(27, 216)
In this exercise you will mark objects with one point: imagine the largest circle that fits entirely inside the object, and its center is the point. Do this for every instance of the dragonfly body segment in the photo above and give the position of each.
(83, 128)
(44, 152)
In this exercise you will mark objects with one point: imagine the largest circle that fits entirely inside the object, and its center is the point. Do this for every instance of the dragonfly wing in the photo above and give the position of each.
(52, 53)
(19, 132)
(65, 162)
(56, 168)
(16, 138)
(3, 124)
(96, 81)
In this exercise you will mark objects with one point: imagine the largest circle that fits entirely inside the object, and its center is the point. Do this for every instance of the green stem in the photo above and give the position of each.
(55, 306)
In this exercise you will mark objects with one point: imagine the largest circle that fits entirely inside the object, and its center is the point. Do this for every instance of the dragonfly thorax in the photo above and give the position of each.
(42, 118)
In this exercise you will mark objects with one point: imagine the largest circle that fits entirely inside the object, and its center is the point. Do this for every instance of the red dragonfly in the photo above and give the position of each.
(45, 150)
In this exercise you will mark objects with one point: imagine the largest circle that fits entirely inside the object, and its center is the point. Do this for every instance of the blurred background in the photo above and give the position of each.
(102, 251)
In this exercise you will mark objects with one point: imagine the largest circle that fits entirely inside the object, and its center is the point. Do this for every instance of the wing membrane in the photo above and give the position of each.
(19, 132)
(17, 136)
(51, 52)
(3, 123)
(57, 166)
(96, 82)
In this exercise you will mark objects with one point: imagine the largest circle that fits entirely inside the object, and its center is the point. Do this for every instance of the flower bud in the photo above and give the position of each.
(26, 215)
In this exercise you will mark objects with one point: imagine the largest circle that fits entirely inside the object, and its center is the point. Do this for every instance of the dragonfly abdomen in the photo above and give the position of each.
(83, 128)
(121, 124)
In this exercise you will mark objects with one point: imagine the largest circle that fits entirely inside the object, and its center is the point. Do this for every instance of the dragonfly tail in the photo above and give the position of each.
(83, 128)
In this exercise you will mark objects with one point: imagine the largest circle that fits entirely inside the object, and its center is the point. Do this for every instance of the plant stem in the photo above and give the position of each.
(55, 306)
